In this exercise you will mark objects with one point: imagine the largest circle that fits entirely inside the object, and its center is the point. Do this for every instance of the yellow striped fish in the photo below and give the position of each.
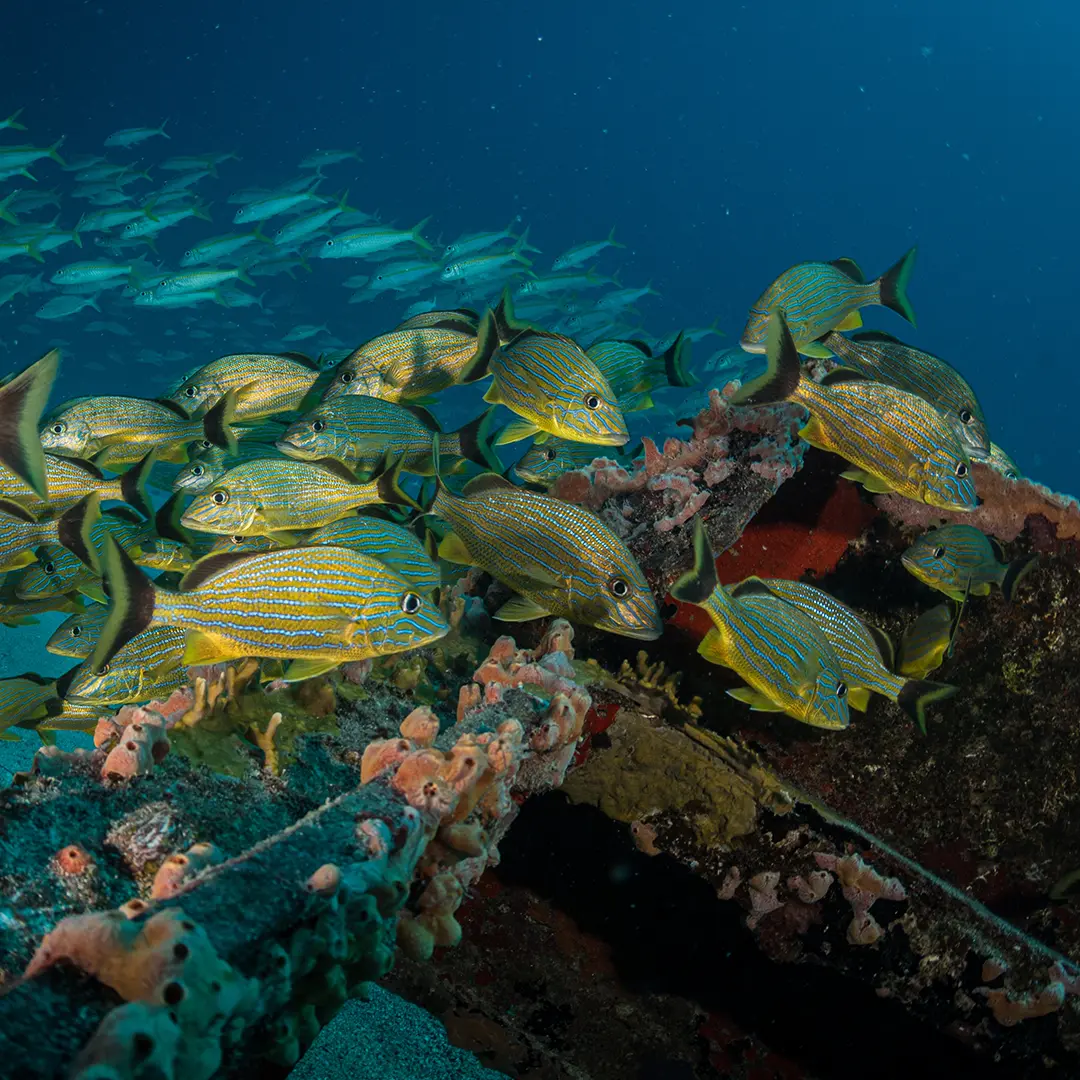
(57, 572)
(543, 463)
(150, 665)
(561, 559)
(400, 548)
(896, 441)
(362, 431)
(469, 318)
(21, 535)
(77, 635)
(122, 430)
(260, 497)
(880, 356)
(22, 400)
(25, 699)
(927, 641)
(865, 652)
(320, 605)
(1003, 463)
(70, 479)
(781, 654)
(416, 362)
(556, 390)
(264, 383)
(633, 372)
(212, 464)
(250, 544)
(816, 297)
(16, 612)
(957, 559)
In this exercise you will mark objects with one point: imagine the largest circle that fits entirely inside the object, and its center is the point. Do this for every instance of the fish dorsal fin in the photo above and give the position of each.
(486, 482)
(642, 346)
(876, 335)
(423, 416)
(342, 472)
(13, 509)
(301, 358)
(851, 269)
(752, 586)
(209, 565)
(460, 325)
(87, 467)
(172, 407)
(884, 645)
(124, 514)
(839, 376)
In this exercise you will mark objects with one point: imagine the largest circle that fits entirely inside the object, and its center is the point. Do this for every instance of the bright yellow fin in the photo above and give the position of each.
(816, 350)
(758, 702)
(492, 395)
(814, 433)
(299, 670)
(851, 321)
(515, 431)
(521, 609)
(452, 548)
(711, 647)
(858, 698)
(200, 648)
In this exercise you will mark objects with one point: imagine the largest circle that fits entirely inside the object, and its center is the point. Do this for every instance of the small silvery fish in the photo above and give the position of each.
(816, 297)
(361, 431)
(321, 606)
(372, 239)
(148, 666)
(85, 272)
(957, 559)
(771, 645)
(880, 356)
(865, 653)
(555, 389)
(260, 497)
(265, 384)
(22, 399)
(927, 641)
(122, 430)
(25, 698)
(417, 361)
(77, 635)
(134, 136)
(896, 441)
(560, 558)
(580, 253)
(543, 463)
(633, 371)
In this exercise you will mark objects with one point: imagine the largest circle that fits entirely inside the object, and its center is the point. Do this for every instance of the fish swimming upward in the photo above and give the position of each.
(816, 297)
(774, 647)
(895, 440)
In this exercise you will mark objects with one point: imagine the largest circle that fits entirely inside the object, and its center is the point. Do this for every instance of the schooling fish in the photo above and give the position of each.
(70, 479)
(926, 642)
(265, 383)
(361, 431)
(865, 652)
(560, 558)
(880, 356)
(418, 361)
(22, 400)
(123, 430)
(555, 389)
(77, 635)
(260, 497)
(956, 559)
(816, 297)
(321, 606)
(21, 534)
(770, 644)
(213, 463)
(896, 441)
(632, 371)
(25, 698)
(545, 462)
(1003, 463)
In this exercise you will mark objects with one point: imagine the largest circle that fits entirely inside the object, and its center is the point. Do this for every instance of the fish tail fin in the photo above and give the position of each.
(783, 369)
(75, 237)
(893, 286)
(612, 242)
(74, 530)
(218, 423)
(91, 302)
(523, 240)
(244, 276)
(1018, 569)
(475, 441)
(388, 483)
(167, 520)
(201, 211)
(418, 237)
(161, 130)
(54, 151)
(700, 582)
(132, 598)
(35, 253)
(676, 358)
(916, 694)
(12, 122)
(259, 235)
(518, 252)
(488, 340)
(6, 214)
(133, 485)
(506, 322)
(22, 401)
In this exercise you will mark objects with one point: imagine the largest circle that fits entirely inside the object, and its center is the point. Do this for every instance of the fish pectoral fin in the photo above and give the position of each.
(814, 433)
(92, 590)
(201, 648)
(521, 609)
(858, 697)
(758, 702)
(852, 321)
(452, 548)
(492, 395)
(816, 350)
(515, 431)
(711, 647)
(868, 480)
(299, 670)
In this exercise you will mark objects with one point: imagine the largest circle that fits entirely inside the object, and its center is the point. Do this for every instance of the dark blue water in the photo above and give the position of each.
(724, 141)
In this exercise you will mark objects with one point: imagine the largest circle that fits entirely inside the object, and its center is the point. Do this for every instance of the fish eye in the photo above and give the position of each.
(961, 469)
(197, 470)
(841, 690)
(410, 603)
(104, 669)
(592, 401)
(329, 243)
(76, 631)
(939, 553)
(189, 391)
(220, 497)
(57, 428)
(318, 425)
(619, 587)
(49, 568)
(188, 254)
(965, 416)
(549, 454)
(236, 540)
(347, 376)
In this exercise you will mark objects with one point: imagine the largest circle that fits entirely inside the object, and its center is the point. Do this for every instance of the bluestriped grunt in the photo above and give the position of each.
(77, 635)
(958, 559)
